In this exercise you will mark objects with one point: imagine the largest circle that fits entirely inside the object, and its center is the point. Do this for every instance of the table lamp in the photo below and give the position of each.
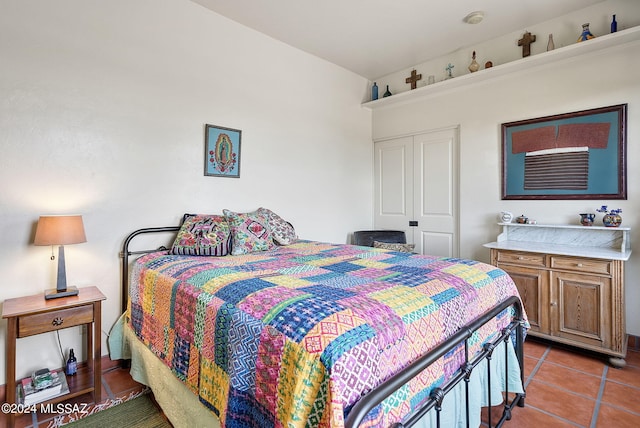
(60, 230)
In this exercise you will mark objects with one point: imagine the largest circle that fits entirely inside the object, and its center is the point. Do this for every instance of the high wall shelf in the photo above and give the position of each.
(560, 54)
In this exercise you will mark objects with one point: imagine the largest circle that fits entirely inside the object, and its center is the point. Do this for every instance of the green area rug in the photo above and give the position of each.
(139, 412)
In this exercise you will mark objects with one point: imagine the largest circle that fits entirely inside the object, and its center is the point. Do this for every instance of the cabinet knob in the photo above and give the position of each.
(57, 321)
(554, 304)
(579, 265)
(520, 258)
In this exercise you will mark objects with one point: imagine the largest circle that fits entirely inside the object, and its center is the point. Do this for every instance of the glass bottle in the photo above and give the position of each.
(387, 93)
(374, 92)
(550, 45)
(614, 24)
(72, 364)
(586, 34)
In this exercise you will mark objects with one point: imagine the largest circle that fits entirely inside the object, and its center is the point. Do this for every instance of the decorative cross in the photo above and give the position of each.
(449, 68)
(525, 42)
(413, 79)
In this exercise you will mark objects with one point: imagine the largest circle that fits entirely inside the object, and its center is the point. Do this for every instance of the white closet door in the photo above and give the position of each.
(436, 193)
(393, 172)
(417, 181)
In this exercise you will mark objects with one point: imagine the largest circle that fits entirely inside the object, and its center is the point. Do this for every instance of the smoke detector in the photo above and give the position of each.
(474, 17)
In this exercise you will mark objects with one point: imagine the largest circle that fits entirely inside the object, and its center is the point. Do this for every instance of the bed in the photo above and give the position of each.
(309, 333)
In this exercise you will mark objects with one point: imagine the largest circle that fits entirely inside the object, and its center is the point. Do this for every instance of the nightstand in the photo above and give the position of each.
(30, 315)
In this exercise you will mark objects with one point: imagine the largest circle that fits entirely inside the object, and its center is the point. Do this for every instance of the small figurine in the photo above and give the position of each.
(449, 68)
(586, 33)
(474, 66)
(525, 42)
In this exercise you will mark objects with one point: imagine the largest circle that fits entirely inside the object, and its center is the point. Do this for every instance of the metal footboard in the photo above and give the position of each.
(375, 397)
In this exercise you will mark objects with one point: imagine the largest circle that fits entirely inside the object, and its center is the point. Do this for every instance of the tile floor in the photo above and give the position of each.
(569, 388)
(565, 388)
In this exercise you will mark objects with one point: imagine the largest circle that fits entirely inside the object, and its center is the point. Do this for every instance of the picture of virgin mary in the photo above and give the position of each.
(222, 151)
(222, 157)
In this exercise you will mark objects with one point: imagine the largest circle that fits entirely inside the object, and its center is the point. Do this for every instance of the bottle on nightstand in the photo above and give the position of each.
(72, 364)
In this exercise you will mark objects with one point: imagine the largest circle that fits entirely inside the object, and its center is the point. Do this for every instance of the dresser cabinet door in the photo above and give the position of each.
(581, 308)
(534, 291)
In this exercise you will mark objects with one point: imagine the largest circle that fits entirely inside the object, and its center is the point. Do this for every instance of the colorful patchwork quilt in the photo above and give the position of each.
(294, 336)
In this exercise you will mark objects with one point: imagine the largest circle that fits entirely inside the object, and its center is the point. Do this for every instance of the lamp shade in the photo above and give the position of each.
(59, 230)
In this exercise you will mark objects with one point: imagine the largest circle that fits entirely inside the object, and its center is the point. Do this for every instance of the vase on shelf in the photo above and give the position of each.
(614, 24)
(387, 93)
(374, 91)
(474, 66)
(586, 33)
(612, 220)
(587, 219)
(550, 45)
(506, 216)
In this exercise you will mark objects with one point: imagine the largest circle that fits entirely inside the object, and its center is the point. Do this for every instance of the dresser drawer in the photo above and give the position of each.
(523, 259)
(54, 320)
(578, 264)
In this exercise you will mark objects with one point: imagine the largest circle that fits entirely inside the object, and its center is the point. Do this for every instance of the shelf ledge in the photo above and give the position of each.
(560, 54)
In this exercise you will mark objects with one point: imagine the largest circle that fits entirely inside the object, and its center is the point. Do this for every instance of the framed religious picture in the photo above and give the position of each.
(579, 155)
(222, 151)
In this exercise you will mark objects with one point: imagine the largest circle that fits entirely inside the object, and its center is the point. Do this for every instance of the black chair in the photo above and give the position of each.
(366, 237)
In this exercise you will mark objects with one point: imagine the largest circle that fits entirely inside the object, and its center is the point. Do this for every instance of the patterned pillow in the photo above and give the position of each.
(283, 232)
(250, 232)
(403, 248)
(203, 235)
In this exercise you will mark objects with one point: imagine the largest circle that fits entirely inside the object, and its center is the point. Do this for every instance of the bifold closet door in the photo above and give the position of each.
(416, 190)
(393, 172)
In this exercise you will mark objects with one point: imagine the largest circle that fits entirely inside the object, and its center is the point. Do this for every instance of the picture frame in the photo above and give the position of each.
(222, 151)
(577, 155)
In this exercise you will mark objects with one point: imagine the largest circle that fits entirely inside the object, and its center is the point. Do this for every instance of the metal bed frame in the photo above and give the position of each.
(516, 329)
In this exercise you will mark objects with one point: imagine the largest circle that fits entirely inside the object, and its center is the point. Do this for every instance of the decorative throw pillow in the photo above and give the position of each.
(283, 232)
(203, 235)
(403, 248)
(250, 232)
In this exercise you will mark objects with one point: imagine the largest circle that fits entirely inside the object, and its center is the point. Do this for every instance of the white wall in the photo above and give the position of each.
(102, 113)
(596, 80)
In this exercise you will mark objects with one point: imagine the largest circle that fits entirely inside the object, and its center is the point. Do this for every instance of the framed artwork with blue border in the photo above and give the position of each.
(222, 151)
(579, 155)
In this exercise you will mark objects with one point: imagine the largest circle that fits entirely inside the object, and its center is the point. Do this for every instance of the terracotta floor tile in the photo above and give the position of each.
(621, 396)
(609, 416)
(576, 361)
(530, 417)
(529, 364)
(629, 375)
(633, 358)
(534, 349)
(568, 379)
(560, 402)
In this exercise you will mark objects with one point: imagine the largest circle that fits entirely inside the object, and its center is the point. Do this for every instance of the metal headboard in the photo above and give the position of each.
(125, 253)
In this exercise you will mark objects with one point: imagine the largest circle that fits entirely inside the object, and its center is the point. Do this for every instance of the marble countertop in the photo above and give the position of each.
(563, 250)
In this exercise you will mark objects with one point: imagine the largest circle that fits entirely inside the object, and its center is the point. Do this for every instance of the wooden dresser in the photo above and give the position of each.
(571, 280)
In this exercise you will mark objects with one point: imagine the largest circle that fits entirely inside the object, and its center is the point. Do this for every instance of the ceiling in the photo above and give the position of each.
(374, 38)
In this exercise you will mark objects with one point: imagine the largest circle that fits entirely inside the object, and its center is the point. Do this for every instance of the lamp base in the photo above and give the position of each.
(54, 293)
